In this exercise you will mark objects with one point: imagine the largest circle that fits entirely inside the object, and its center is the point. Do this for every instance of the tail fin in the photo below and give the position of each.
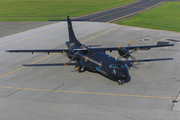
(72, 37)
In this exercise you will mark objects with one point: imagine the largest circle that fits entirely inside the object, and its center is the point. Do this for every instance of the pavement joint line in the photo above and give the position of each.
(25, 31)
(117, 19)
(34, 36)
(15, 25)
(119, 11)
(154, 29)
(55, 53)
(30, 37)
(26, 66)
(101, 34)
(90, 93)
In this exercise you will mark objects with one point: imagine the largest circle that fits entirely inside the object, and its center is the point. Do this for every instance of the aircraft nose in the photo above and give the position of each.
(124, 75)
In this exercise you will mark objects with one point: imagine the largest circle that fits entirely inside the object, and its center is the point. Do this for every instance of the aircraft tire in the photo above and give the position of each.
(82, 69)
(120, 82)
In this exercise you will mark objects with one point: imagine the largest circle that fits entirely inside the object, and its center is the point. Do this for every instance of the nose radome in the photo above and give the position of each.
(124, 77)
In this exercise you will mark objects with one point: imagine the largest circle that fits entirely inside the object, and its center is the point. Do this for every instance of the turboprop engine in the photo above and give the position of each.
(123, 52)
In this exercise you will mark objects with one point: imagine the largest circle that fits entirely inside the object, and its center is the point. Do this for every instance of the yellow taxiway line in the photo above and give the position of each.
(91, 93)
(107, 9)
(119, 11)
(117, 19)
(15, 24)
(30, 37)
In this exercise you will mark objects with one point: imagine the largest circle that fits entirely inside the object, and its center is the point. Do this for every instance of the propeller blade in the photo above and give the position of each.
(66, 64)
(86, 59)
(72, 44)
(135, 60)
(63, 52)
(127, 61)
(138, 49)
(132, 57)
(77, 68)
(129, 44)
(119, 47)
(78, 65)
(132, 51)
(83, 47)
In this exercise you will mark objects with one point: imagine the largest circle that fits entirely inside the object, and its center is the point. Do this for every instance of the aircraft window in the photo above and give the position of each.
(124, 66)
(118, 66)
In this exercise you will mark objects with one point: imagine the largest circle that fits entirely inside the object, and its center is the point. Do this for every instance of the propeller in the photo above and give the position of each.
(127, 53)
(72, 55)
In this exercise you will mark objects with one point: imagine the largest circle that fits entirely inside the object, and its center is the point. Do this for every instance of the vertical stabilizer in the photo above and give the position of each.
(72, 37)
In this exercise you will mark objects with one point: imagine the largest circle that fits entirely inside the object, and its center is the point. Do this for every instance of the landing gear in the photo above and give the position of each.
(82, 69)
(120, 82)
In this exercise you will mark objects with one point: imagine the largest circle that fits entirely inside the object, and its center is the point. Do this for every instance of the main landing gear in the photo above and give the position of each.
(82, 69)
(120, 82)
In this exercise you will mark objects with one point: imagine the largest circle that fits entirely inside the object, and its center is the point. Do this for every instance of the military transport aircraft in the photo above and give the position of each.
(95, 59)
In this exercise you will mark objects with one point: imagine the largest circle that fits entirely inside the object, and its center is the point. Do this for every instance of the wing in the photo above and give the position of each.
(94, 49)
(46, 50)
(130, 48)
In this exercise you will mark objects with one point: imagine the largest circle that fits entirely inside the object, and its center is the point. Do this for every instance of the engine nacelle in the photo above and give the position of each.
(122, 52)
(70, 55)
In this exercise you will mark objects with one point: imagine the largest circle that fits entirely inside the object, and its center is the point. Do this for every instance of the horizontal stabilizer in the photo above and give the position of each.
(69, 19)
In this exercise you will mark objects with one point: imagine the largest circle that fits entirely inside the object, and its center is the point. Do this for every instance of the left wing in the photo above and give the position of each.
(46, 50)
(130, 48)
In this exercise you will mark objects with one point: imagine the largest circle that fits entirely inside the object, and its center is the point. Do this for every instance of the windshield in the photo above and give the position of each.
(116, 66)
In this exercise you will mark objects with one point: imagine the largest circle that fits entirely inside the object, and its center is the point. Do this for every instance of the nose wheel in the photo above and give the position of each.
(120, 82)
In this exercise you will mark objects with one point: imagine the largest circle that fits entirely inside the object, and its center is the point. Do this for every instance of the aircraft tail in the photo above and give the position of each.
(72, 37)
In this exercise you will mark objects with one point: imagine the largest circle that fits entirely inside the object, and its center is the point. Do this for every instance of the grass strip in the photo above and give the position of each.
(164, 17)
(43, 10)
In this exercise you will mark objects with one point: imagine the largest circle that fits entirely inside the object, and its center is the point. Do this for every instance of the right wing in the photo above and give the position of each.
(118, 48)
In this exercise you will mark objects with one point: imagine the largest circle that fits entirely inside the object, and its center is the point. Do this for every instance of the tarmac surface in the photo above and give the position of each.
(48, 90)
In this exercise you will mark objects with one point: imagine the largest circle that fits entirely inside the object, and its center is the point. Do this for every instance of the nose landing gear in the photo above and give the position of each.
(120, 82)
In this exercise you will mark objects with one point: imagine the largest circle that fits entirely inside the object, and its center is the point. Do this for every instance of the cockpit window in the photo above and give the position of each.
(116, 66)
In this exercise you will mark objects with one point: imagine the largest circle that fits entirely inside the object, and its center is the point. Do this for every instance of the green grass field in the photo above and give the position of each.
(43, 10)
(164, 17)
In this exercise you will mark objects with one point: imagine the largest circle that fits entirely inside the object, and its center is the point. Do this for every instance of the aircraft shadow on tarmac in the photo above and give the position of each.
(50, 64)
(172, 40)
(130, 64)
